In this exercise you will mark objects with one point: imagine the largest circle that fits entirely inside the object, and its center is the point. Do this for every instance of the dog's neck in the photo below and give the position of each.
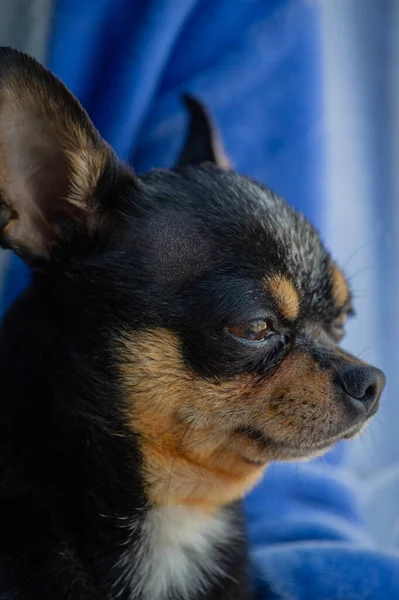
(175, 552)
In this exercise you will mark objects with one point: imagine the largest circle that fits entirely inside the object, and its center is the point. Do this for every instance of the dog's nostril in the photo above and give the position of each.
(362, 383)
(370, 393)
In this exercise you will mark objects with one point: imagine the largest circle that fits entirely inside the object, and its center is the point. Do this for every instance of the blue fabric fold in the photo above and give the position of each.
(325, 571)
(308, 539)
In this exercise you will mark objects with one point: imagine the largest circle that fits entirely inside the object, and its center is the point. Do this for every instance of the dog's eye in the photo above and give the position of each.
(338, 327)
(252, 331)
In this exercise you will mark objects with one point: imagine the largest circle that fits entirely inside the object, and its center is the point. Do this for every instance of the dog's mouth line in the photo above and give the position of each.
(265, 443)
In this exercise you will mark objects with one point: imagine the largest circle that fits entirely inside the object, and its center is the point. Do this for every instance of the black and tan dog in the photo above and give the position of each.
(179, 333)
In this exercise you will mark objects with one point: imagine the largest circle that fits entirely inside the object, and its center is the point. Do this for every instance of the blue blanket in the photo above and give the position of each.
(254, 63)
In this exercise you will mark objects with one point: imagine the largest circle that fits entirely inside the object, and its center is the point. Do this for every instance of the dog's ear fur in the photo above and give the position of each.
(202, 143)
(51, 157)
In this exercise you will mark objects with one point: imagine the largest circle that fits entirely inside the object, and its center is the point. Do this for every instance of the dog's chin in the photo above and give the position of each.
(264, 449)
(355, 431)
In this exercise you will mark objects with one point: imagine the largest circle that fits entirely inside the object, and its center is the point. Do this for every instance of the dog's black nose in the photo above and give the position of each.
(363, 384)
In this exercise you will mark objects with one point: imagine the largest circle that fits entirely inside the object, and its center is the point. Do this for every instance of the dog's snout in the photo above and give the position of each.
(363, 384)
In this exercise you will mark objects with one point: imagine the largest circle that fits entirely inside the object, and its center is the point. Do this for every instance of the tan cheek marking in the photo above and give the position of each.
(285, 296)
(304, 381)
(340, 291)
(176, 415)
(185, 423)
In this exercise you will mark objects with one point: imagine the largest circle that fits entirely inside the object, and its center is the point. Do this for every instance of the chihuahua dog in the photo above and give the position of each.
(179, 333)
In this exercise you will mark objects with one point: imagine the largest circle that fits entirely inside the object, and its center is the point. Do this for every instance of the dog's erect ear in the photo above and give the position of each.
(202, 143)
(51, 157)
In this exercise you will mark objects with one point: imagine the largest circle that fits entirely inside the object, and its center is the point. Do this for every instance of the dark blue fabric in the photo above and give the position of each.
(255, 64)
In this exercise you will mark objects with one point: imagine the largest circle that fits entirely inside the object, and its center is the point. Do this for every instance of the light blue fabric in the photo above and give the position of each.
(256, 64)
(361, 222)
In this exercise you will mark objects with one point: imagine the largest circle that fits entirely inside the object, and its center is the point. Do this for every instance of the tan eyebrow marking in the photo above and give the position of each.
(340, 291)
(285, 296)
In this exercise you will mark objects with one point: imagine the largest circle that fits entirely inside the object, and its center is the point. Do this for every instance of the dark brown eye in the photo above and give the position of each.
(253, 331)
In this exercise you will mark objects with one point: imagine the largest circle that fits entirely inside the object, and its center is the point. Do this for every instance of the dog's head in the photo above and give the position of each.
(217, 306)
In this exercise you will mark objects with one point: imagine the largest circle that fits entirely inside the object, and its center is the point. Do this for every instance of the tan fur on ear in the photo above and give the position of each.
(203, 143)
(51, 156)
(340, 290)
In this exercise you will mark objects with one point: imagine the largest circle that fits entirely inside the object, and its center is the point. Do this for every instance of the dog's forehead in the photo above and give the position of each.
(208, 218)
(176, 247)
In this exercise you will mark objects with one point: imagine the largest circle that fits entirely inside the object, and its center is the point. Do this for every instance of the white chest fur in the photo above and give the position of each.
(177, 554)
